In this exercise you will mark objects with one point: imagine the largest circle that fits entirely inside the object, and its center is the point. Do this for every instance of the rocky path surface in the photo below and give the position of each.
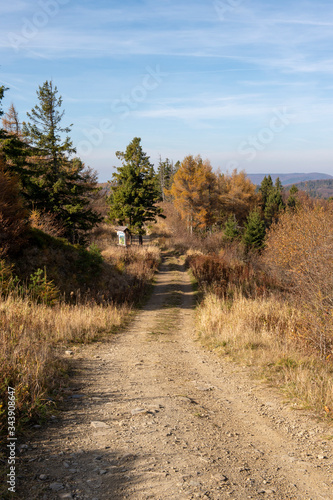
(151, 415)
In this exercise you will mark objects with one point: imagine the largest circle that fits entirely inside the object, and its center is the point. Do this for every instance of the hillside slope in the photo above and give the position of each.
(292, 178)
(317, 189)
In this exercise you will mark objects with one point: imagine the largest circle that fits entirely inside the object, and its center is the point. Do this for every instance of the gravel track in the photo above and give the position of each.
(152, 415)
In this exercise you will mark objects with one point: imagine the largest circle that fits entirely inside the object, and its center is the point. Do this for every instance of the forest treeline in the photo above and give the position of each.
(46, 185)
(322, 188)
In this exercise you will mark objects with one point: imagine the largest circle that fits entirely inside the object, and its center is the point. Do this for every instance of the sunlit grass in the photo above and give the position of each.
(264, 333)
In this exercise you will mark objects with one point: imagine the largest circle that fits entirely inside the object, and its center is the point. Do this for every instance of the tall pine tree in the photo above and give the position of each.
(134, 195)
(61, 184)
(265, 190)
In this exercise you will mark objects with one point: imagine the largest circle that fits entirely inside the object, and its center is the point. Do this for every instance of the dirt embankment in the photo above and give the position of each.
(152, 415)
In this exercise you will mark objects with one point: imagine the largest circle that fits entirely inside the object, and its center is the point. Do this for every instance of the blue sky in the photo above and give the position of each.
(245, 83)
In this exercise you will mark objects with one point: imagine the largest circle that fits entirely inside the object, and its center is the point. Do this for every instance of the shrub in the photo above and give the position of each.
(13, 216)
(224, 276)
(46, 222)
(299, 254)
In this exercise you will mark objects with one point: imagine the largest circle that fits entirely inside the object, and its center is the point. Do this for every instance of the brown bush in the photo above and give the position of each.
(299, 251)
(46, 222)
(226, 277)
(13, 216)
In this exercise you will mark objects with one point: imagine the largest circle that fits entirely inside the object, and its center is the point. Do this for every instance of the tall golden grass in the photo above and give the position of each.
(264, 333)
(30, 333)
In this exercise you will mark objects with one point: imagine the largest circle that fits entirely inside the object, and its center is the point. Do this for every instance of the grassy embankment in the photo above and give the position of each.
(55, 295)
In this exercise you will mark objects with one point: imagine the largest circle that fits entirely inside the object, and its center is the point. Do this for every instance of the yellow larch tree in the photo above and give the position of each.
(237, 195)
(194, 193)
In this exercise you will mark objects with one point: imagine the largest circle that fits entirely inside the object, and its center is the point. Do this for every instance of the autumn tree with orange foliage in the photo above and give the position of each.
(10, 121)
(194, 193)
(237, 195)
(299, 253)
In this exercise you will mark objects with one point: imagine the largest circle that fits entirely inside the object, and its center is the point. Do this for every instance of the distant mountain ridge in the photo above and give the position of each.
(293, 178)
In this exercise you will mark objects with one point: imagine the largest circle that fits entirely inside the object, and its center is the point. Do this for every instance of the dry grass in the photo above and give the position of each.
(103, 235)
(32, 344)
(33, 335)
(29, 334)
(132, 253)
(264, 333)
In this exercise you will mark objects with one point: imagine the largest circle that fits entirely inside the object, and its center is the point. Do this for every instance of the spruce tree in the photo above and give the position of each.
(274, 205)
(59, 183)
(18, 154)
(271, 199)
(134, 195)
(231, 228)
(2, 93)
(164, 173)
(254, 233)
(265, 189)
(278, 185)
(292, 200)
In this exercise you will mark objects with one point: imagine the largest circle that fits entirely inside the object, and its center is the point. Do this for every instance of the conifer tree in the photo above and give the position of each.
(134, 195)
(2, 92)
(278, 185)
(16, 152)
(44, 131)
(11, 122)
(274, 203)
(59, 183)
(254, 233)
(164, 173)
(265, 189)
(271, 199)
(292, 201)
(231, 228)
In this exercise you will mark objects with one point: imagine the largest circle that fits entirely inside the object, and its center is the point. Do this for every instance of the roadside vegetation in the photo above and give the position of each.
(265, 282)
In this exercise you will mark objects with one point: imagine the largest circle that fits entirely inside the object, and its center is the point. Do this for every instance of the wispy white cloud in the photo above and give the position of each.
(224, 75)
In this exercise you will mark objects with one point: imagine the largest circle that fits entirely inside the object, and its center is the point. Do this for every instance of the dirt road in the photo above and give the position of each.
(151, 415)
